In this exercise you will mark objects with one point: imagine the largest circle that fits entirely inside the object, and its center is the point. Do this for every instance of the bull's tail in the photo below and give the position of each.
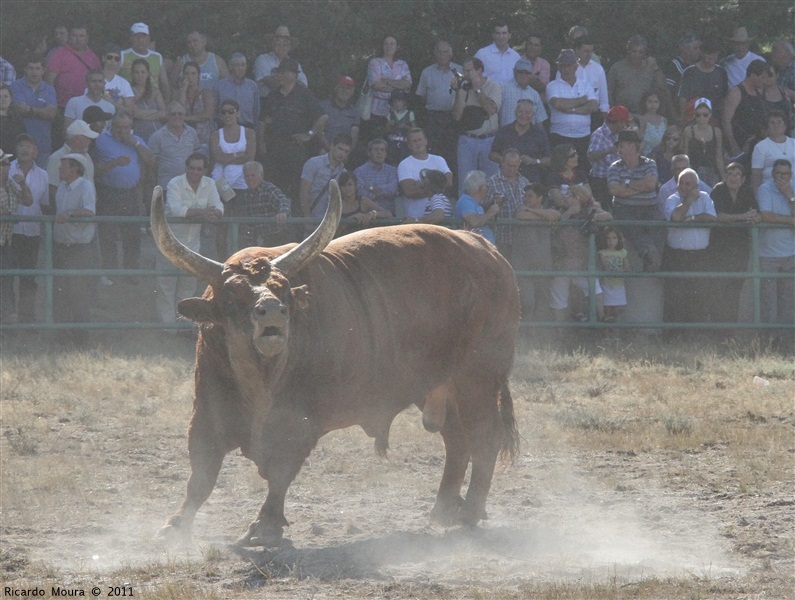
(509, 448)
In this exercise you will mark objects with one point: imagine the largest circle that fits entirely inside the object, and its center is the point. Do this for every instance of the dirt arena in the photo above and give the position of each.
(643, 474)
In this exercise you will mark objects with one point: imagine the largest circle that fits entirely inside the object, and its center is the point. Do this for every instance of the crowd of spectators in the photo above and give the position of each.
(504, 134)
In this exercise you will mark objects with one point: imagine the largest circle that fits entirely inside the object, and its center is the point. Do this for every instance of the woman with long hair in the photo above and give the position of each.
(149, 110)
(670, 146)
(358, 212)
(199, 103)
(11, 124)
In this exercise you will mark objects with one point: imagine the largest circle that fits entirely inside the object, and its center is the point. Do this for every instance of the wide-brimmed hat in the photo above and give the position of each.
(80, 127)
(282, 32)
(740, 35)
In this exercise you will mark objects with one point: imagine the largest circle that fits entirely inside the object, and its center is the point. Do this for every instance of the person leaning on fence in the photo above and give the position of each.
(192, 195)
(729, 248)
(470, 207)
(686, 299)
(27, 234)
(13, 192)
(534, 251)
(263, 200)
(570, 253)
(777, 252)
(632, 181)
(74, 247)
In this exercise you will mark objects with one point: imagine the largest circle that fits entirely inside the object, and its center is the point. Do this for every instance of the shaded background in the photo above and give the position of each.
(339, 36)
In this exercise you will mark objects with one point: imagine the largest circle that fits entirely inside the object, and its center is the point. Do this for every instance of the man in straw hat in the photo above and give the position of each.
(281, 43)
(736, 64)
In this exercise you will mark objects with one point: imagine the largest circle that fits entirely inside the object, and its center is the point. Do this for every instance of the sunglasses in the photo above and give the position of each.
(523, 72)
(228, 111)
(702, 114)
(114, 57)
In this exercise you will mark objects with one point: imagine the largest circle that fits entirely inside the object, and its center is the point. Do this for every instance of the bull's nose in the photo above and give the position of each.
(269, 307)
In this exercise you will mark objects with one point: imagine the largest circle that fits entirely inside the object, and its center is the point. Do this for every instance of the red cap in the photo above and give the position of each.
(618, 113)
(346, 80)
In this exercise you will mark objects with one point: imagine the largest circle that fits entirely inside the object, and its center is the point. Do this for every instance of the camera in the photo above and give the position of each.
(460, 81)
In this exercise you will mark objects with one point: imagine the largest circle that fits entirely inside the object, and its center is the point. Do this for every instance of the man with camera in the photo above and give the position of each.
(476, 108)
(438, 97)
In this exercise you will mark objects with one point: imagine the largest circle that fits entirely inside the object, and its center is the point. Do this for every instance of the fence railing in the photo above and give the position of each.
(47, 273)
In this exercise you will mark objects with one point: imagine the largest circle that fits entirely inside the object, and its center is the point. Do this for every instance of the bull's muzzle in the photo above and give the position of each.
(270, 318)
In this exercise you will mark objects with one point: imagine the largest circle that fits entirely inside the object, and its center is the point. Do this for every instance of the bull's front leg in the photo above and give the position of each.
(284, 443)
(214, 431)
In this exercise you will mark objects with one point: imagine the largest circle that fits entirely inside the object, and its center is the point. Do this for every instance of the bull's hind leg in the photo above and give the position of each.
(480, 413)
(448, 500)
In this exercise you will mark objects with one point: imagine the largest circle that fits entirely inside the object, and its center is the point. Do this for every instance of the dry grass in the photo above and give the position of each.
(668, 442)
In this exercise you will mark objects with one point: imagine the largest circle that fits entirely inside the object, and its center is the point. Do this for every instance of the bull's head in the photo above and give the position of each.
(251, 293)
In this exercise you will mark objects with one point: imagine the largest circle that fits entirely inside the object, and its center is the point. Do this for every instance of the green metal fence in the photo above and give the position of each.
(46, 273)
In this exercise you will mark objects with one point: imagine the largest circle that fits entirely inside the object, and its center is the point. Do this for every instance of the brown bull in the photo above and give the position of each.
(301, 340)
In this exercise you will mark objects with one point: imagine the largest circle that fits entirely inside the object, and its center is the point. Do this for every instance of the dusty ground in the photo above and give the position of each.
(654, 481)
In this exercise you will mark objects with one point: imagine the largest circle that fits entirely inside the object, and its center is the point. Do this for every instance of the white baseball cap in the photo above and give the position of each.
(139, 28)
(80, 127)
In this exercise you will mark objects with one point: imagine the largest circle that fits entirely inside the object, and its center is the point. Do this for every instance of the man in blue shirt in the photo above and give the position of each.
(469, 207)
(119, 157)
(777, 251)
(34, 100)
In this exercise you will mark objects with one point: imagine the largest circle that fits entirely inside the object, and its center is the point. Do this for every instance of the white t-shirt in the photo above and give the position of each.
(767, 152)
(410, 168)
(118, 88)
(75, 107)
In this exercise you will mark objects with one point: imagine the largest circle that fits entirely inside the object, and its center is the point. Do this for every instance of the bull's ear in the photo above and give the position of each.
(301, 296)
(198, 310)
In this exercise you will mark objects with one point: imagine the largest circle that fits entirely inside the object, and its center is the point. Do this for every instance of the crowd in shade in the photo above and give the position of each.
(481, 142)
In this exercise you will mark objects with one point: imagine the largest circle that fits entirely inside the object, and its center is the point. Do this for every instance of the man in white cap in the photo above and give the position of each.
(78, 139)
(74, 248)
(736, 63)
(141, 48)
(281, 43)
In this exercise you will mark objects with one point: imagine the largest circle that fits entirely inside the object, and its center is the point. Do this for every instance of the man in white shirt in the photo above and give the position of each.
(498, 57)
(571, 102)
(414, 195)
(736, 63)
(26, 236)
(94, 96)
(189, 195)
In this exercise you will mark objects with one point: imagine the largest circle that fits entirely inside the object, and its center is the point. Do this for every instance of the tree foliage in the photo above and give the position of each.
(340, 35)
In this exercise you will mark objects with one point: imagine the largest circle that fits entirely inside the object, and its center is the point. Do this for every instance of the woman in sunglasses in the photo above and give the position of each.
(703, 143)
(670, 146)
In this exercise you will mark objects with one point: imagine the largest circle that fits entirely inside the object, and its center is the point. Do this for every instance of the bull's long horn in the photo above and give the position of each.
(181, 256)
(293, 261)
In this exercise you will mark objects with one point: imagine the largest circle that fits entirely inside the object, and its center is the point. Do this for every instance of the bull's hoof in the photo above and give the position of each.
(447, 514)
(262, 535)
(456, 513)
(172, 533)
